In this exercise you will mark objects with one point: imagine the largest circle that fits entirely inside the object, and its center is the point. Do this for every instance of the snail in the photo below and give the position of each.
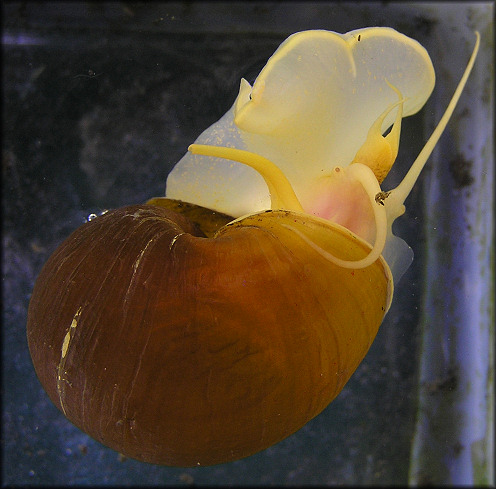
(206, 326)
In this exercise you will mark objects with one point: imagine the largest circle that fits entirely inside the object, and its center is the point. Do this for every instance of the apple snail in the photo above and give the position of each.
(208, 325)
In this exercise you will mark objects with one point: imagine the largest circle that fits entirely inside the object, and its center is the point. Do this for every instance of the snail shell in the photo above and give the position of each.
(178, 349)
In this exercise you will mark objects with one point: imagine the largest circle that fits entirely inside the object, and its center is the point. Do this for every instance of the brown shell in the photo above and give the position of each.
(177, 349)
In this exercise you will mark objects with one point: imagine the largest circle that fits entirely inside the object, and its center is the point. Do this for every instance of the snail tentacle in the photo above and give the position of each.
(398, 195)
(379, 152)
(366, 177)
(282, 194)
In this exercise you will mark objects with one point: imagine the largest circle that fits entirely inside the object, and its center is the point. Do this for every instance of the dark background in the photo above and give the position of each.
(99, 102)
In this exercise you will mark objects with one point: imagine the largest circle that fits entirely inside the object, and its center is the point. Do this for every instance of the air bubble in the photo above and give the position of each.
(94, 216)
